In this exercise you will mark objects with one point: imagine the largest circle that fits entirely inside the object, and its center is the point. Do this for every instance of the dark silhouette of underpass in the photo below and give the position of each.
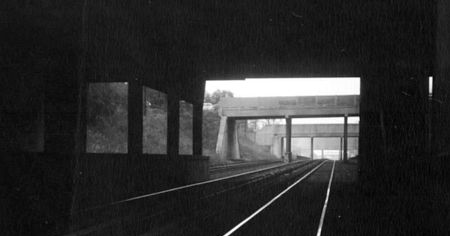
(98, 97)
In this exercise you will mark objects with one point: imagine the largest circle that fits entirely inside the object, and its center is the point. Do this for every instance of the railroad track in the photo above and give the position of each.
(225, 167)
(196, 209)
(309, 222)
(236, 168)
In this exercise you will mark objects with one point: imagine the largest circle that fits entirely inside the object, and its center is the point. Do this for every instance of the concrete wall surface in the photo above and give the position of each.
(292, 106)
(265, 135)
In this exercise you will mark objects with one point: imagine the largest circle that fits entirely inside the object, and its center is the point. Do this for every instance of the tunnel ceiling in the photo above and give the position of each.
(283, 38)
(217, 39)
(276, 37)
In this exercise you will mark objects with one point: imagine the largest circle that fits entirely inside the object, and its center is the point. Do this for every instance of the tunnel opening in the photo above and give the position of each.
(246, 119)
(323, 138)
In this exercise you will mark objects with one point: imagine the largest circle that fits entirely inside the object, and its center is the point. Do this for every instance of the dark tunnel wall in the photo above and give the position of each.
(39, 57)
(397, 60)
(440, 104)
(50, 50)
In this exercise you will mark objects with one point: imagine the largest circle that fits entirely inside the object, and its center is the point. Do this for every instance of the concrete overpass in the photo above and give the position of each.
(294, 107)
(232, 109)
(274, 136)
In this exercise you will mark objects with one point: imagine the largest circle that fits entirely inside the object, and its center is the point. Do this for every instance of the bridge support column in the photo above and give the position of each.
(197, 129)
(233, 141)
(345, 137)
(135, 117)
(440, 117)
(222, 139)
(227, 141)
(386, 124)
(340, 149)
(288, 138)
(277, 147)
(312, 148)
(173, 127)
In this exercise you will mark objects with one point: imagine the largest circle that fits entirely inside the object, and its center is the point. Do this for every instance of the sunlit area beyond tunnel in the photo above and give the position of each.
(245, 120)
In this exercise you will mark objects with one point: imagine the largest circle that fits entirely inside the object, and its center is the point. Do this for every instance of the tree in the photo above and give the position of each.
(211, 122)
(215, 97)
(155, 121)
(107, 113)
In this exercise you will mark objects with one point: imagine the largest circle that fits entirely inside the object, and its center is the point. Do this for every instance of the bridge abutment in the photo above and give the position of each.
(276, 148)
(227, 141)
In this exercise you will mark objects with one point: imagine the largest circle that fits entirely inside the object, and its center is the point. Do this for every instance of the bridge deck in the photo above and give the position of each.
(304, 106)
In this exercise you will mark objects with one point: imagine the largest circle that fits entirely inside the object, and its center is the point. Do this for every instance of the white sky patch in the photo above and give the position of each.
(284, 87)
(279, 87)
(430, 85)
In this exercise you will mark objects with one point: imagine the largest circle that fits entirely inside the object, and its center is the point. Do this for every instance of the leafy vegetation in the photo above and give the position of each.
(211, 121)
(215, 97)
(210, 129)
(155, 122)
(107, 118)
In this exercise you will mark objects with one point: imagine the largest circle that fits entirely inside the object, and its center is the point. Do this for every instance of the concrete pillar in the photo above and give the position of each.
(62, 140)
(227, 139)
(81, 132)
(340, 149)
(135, 117)
(173, 124)
(233, 142)
(222, 138)
(288, 138)
(387, 123)
(441, 84)
(440, 107)
(197, 139)
(312, 148)
(276, 147)
(345, 137)
(61, 113)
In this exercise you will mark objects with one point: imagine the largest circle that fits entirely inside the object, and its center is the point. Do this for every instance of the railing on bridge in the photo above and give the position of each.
(280, 106)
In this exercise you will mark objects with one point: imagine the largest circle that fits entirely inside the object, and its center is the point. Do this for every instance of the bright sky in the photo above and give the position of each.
(279, 87)
(430, 85)
(262, 87)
